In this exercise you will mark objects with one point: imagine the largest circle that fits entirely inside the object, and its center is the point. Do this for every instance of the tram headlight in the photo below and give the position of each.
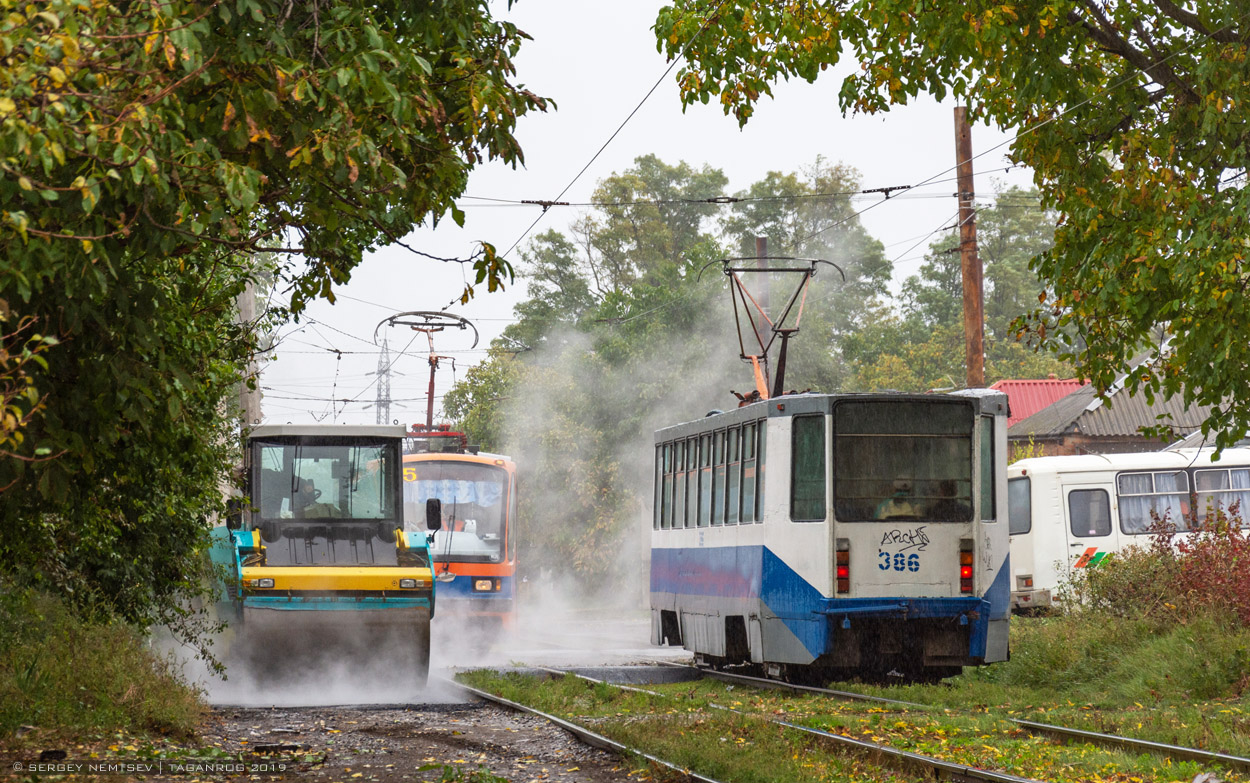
(265, 583)
(483, 585)
(408, 584)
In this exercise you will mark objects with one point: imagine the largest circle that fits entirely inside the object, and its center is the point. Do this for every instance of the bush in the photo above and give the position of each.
(61, 671)
(1174, 578)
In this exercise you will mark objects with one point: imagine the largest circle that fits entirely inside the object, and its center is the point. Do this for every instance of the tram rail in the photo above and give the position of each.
(940, 768)
(583, 734)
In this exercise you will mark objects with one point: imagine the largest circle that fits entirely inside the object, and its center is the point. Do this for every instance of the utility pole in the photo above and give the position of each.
(970, 263)
(249, 398)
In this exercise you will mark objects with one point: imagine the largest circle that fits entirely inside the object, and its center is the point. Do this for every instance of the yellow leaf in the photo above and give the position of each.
(149, 43)
(57, 75)
(171, 54)
(24, 183)
(7, 106)
(225, 123)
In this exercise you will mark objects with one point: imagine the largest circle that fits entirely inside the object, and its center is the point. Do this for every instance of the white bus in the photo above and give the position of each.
(1072, 512)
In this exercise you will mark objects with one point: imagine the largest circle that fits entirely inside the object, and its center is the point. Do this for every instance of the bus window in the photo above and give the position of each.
(1218, 490)
(689, 487)
(1089, 512)
(1145, 497)
(663, 459)
(1019, 506)
(807, 465)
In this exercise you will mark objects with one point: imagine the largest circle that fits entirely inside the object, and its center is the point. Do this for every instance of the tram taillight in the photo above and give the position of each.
(965, 566)
(843, 563)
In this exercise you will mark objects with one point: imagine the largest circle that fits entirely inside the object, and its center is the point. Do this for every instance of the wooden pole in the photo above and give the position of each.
(249, 399)
(970, 263)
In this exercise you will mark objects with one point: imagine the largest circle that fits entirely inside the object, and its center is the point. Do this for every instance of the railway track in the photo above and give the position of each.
(1064, 733)
(939, 769)
(582, 733)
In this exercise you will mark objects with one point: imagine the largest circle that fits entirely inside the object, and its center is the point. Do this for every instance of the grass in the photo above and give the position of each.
(71, 677)
(1183, 684)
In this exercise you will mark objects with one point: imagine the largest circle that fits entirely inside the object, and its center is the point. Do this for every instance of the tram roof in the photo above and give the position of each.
(989, 400)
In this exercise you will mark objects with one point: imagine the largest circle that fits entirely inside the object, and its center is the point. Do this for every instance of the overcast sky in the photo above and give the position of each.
(597, 60)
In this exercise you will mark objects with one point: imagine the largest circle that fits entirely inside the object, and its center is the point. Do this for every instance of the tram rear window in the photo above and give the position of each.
(897, 460)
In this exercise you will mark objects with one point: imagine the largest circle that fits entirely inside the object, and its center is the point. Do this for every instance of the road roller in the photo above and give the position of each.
(318, 569)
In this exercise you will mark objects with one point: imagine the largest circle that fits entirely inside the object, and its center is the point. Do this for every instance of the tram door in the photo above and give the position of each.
(1090, 531)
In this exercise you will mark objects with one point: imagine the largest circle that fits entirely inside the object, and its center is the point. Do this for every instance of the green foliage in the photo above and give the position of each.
(924, 348)
(58, 670)
(149, 154)
(1132, 116)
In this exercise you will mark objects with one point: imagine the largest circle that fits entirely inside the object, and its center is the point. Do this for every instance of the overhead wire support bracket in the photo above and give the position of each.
(546, 205)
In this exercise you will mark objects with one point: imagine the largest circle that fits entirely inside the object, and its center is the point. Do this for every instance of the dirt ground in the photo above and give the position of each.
(435, 742)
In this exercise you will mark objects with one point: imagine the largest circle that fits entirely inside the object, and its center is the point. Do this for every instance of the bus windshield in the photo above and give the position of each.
(474, 498)
(896, 460)
(342, 480)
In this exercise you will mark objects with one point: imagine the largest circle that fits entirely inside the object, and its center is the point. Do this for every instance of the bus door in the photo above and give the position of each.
(1090, 531)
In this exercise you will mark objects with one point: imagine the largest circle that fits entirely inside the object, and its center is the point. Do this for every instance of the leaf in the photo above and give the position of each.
(229, 116)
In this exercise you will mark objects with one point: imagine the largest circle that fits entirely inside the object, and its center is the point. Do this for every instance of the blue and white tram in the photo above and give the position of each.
(821, 535)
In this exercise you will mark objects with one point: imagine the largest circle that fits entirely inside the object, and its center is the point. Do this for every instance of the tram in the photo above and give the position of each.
(818, 536)
(474, 552)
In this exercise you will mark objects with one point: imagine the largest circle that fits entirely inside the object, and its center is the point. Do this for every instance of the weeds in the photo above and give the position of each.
(74, 675)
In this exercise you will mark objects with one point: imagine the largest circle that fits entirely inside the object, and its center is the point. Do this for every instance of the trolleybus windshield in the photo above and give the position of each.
(474, 498)
(902, 460)
(347, 479)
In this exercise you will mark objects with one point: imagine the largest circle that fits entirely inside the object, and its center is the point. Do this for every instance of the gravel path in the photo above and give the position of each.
(431, 742)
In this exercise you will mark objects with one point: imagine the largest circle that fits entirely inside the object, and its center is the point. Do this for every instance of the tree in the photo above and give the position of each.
(923, 349)
(148, 152)
(1132, 116)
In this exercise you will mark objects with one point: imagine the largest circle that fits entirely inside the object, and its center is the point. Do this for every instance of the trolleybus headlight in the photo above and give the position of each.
(262, 583)
(483, 585)
(408, 584)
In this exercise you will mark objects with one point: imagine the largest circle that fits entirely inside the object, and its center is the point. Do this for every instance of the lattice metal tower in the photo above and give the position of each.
(383, 404)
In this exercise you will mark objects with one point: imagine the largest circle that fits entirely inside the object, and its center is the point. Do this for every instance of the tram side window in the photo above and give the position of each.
(1224, 490)
(1145, 497)
(705, 480)
(679, 484)
(1019, 506)
(988, 490)
(807, 461)
(663, 485)
(733, 484)
(718, 478)
(691, 485)
(1089, 512)
(750, 479)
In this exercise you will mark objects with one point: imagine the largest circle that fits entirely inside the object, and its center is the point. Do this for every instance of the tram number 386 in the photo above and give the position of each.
(898, 560)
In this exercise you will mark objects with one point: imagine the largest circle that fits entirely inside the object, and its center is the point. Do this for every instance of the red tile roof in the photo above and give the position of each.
(1026, 397)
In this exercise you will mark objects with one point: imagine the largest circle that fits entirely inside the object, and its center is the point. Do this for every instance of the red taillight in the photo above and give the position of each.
(965, 566)
(965, 572)
(843, 570)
